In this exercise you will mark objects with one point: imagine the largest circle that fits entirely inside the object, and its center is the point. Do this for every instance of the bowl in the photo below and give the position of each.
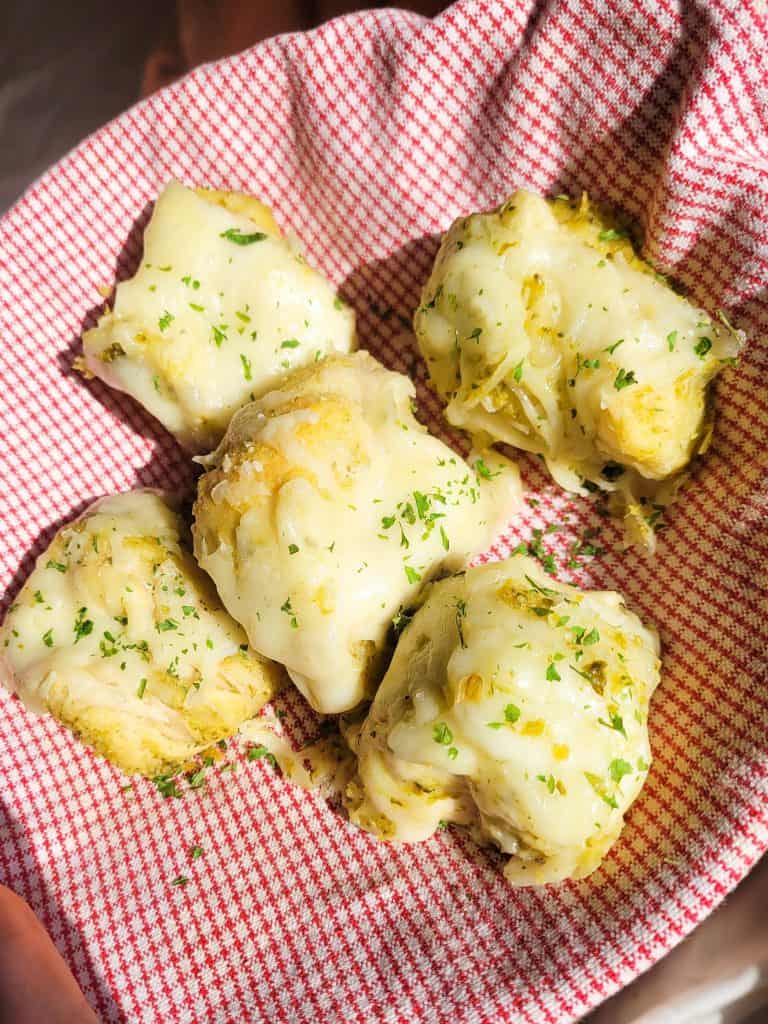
(368, 137)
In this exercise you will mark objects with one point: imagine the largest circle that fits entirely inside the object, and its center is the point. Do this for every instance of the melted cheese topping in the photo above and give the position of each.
(543, 329)
(121, 637)
(220, 309)
(519, 707)
(323, 512)
(327, 764)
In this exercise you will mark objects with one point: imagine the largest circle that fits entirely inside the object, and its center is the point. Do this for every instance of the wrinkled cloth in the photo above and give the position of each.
(368, 137)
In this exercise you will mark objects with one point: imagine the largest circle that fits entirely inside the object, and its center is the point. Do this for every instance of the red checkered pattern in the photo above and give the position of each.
(368, 137)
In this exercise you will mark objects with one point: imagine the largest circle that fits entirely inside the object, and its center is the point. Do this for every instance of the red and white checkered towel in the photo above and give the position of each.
(368, 137)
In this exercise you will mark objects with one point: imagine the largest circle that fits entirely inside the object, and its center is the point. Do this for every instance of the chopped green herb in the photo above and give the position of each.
(483, 471)
(553, 675)
(611, 235)
(219, 335)
(511, 713)
(598, 785)
(166, 625)
(619, 768)
(536, 548)
(180, 881)
(259, 753)
(411, 574)
(189, 609)
(290, 343)
(197, 779)
(585, 364)
(142, 687)
(167, 787)
(286, 607)
(517, 373)
(165, 320)
(612, 348)
(422, 504)
(461, 614)
(196, 852)
(108, 646)
(583, 547)
(444, 538)
(142, 648)
(546, 591)
(239, 238)
(435, 298)
(548, 780)
(624, 378)
(292, 549)
(616, 722)
(58, 566)
(48, 638)
(246, 367)
(475, 333)
(82, 625)
(592, 637)
(671, 340)
(442, 734)
(702, 346)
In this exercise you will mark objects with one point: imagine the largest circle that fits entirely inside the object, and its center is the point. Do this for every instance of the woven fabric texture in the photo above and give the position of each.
(367, 137)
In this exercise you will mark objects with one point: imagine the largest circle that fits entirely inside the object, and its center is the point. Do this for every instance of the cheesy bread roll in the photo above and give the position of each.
(543, 329)
(120, 636)
(220, 309)
(516, 706)
(326, 508)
